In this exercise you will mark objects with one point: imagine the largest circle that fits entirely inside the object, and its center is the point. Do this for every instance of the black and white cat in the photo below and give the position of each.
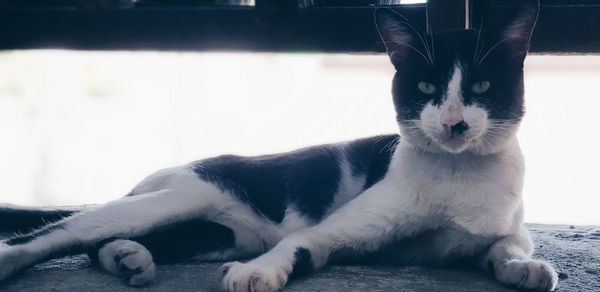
(447, 190)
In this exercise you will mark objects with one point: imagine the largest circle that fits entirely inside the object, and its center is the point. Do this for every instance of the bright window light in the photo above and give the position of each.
(85, 127)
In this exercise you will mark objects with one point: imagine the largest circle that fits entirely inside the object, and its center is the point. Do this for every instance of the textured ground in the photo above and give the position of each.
(574, 251)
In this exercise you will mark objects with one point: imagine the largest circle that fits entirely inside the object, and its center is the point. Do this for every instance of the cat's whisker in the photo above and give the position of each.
(490, 50)
(432, 48)
(417, 50)
(476, 52)
(390, 145)
(423, 41)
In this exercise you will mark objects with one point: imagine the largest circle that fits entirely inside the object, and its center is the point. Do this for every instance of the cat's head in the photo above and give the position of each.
(459, 91)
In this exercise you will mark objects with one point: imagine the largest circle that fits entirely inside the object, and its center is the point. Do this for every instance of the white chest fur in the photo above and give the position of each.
(481, 194)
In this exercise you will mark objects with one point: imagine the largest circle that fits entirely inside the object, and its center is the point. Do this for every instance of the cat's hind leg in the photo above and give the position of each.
(184, 198)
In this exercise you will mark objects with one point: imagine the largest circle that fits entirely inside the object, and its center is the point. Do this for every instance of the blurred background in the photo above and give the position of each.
(84, 127)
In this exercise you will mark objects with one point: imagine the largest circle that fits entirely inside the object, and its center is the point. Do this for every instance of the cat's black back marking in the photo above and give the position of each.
(307, 179)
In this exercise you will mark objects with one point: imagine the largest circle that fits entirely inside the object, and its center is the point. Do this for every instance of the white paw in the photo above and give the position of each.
(251, 277)
(129, 259)
(529, 274)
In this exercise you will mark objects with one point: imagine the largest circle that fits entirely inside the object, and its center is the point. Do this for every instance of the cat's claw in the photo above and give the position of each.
(238, 277)
(528, 274)
(129, 259)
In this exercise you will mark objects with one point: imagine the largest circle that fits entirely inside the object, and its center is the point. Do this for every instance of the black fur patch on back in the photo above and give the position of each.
(302, 263)
(371, 157)
(306, 178)
(184, 240)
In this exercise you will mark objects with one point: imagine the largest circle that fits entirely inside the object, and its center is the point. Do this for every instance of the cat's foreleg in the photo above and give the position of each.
(374, 218)
(125, 258)
(509, 260)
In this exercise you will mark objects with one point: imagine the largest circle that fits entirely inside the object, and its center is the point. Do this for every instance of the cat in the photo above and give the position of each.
(446, 190)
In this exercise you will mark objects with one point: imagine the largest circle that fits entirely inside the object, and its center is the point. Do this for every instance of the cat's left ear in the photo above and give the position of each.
(401, 38)
(516, 35)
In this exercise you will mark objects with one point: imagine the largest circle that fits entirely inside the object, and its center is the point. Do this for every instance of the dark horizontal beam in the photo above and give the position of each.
(567, 29)
(562, 28)
(225, 28)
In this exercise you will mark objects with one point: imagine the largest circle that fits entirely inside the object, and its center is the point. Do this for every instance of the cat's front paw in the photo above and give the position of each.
(250, 276)
(529, 274)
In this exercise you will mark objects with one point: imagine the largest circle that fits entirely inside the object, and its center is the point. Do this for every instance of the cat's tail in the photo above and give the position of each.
(21, 219)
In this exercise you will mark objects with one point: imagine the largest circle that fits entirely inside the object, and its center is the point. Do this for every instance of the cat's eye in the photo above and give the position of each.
(480, 87)
(426, 87)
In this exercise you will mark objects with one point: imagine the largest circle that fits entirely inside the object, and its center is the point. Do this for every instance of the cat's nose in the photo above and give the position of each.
(456, 128)
(453, 121)
(449, 122)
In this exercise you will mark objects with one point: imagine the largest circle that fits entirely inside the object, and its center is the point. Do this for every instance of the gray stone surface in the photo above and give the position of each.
(574, 251)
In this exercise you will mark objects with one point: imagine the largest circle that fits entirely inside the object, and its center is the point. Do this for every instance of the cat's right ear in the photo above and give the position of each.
(401, 38)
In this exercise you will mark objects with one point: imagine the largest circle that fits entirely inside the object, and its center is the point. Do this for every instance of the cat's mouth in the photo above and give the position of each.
(454, 144)
(436, 139)
(457, 143)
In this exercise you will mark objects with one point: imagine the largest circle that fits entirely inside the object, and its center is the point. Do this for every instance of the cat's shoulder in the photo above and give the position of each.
(371, 156)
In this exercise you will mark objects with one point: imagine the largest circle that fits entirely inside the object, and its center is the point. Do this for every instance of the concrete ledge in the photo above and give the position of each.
(574, 251)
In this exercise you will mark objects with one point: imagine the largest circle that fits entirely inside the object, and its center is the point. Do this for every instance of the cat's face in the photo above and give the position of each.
(462, 90)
